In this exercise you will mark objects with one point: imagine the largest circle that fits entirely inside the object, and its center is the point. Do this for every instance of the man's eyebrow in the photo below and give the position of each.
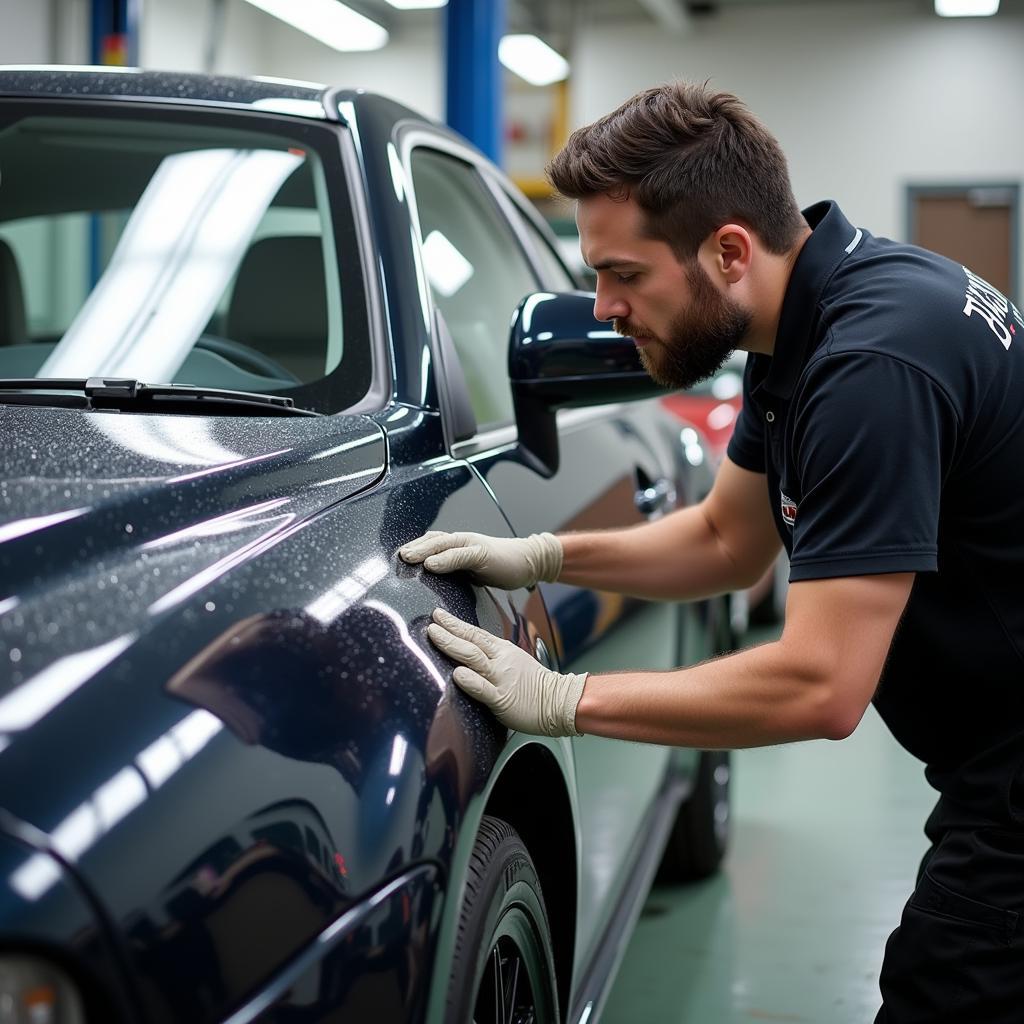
(614, 261)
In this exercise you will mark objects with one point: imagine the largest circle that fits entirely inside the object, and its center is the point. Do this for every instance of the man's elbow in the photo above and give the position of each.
(840, 721)
(833, 704)
(831, 690)
(836, 710)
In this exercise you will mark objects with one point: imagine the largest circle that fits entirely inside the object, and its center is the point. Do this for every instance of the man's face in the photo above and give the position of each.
(684, 327)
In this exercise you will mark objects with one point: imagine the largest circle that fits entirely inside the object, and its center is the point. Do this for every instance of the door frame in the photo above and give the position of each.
(923, 191)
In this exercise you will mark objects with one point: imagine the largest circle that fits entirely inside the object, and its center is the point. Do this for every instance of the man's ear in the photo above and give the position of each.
(731, 249)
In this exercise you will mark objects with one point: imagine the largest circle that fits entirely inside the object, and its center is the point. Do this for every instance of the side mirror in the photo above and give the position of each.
(559, 357)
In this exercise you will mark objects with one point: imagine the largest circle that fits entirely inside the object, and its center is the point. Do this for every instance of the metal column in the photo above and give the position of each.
(115, 43)
(473, 75)
(115, 32)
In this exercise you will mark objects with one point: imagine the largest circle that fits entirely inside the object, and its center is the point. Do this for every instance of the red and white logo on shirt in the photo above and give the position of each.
(789, 508)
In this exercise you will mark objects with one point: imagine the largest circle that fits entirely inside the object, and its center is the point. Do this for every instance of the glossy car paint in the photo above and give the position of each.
(65, 918)
(248, 718)
(535, 360)
(223, 726)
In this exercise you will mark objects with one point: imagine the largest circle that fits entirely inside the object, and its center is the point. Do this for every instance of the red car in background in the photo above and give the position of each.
(712, 407)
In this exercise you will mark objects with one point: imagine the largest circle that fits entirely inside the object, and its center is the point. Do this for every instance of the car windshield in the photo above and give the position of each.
(167, 251)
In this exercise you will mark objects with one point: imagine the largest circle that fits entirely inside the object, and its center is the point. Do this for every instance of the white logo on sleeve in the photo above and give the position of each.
(993, 307)
(789, 508)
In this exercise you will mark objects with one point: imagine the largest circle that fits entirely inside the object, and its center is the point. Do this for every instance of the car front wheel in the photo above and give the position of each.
(503, 971)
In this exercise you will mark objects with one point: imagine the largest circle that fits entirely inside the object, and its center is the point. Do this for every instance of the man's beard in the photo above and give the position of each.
(699, 340)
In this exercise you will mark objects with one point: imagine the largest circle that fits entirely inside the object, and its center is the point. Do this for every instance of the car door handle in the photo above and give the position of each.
(656, 498)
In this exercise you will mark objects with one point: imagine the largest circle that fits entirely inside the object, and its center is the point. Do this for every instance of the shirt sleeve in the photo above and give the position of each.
(746, 446)
(873, 442)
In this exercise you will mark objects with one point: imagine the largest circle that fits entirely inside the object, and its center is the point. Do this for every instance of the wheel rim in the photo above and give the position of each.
(514, 984)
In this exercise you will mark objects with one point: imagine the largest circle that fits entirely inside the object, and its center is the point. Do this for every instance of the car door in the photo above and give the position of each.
(476, 261)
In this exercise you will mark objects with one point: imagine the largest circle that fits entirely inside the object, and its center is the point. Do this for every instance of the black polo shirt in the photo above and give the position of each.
(890, 425)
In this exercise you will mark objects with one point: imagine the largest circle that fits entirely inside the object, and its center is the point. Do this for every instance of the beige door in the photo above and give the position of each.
(974, 226)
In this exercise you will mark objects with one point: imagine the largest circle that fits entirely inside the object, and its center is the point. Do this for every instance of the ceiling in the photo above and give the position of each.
(677, 13)
(555, 19)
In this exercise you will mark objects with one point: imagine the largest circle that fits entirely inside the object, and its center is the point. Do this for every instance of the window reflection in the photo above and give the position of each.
(175, 257)
(447, 268)
(175, 252)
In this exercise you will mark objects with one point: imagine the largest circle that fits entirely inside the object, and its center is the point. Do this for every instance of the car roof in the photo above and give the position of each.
(189, 88)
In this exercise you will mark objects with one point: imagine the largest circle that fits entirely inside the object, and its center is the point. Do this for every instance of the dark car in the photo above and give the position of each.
(254, 336)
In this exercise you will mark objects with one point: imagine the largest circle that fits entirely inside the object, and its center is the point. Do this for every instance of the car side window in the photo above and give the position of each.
(477, 271)
(556, 274)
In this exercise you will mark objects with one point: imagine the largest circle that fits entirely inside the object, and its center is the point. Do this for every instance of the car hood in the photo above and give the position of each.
(108, 521)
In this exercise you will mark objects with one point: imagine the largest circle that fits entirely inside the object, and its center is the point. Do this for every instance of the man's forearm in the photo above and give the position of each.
(754, 698)
(679, 557)
(813, 682)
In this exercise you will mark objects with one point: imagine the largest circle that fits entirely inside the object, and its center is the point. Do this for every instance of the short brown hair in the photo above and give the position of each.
(693, 160)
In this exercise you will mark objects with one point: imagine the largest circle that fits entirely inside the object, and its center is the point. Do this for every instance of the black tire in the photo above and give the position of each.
(700, 834)
(503, 969)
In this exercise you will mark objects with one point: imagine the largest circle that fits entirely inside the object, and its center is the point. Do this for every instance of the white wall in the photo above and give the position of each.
(25, 32)
(72, 31)
(865, 98)
(44, 31)
(409, 69)
(173, 37)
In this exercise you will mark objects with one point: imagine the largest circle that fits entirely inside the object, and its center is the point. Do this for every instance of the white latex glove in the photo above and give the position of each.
(505, 562)
(523, 694)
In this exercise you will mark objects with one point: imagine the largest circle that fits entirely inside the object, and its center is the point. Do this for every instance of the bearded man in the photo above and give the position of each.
(881, 438)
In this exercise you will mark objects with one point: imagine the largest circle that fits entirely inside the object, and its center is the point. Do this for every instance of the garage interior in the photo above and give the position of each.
(910, 120)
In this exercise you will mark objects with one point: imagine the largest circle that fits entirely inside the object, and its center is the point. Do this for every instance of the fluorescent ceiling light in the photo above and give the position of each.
(532, 59)
(966, 8)
(329, 21)
(416, 5)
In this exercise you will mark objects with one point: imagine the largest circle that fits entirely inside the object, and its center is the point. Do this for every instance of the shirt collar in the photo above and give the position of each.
(832, 239)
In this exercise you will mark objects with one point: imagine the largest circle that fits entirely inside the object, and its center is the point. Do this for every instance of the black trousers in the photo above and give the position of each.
(958, 954)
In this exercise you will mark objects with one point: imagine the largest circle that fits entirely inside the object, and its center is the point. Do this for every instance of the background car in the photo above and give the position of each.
(712, 406)
(255, 337)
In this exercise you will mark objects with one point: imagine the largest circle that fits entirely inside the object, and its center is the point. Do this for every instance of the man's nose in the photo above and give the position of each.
(608, 306)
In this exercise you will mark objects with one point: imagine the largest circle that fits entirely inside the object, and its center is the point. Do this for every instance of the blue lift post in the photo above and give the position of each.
(114, 43)
(115, 32)
(473, 76)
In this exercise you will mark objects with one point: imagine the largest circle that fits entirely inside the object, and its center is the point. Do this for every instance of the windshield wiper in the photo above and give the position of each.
(124, 393)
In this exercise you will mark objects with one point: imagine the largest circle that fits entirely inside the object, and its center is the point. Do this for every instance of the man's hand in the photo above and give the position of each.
(508, 563)
(523, 694)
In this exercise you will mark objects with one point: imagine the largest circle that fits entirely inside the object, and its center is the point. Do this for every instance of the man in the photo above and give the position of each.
(882, 437)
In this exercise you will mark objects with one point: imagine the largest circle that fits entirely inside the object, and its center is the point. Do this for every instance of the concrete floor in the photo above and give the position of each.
(826, 841)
